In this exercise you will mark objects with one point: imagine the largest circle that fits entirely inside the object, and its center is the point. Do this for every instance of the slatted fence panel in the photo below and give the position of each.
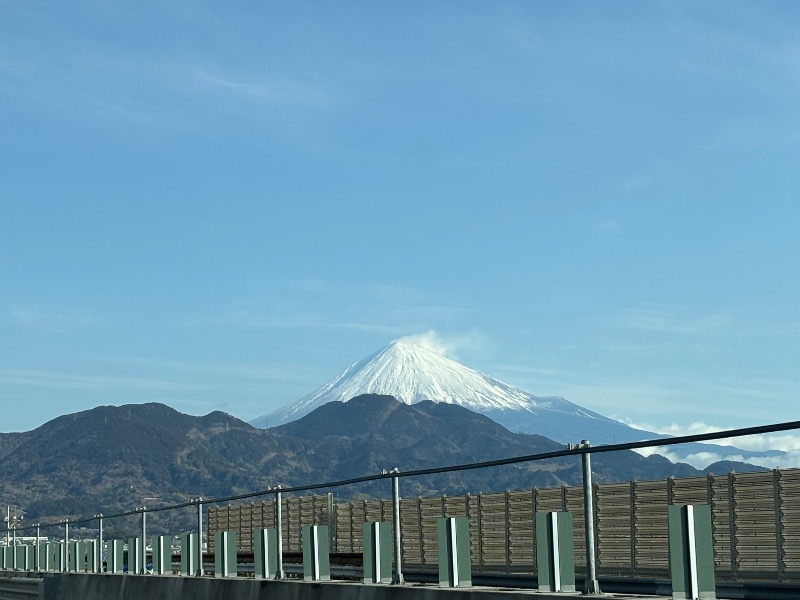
(411, 532)
(720, 501)
(788, 511)
(754, 506)
(755, 521)
(257, 515)
(651, 552)
(430, 510)
(573, 502)
(520, 526)
(492, 550)
(343, 513)
(615, 529)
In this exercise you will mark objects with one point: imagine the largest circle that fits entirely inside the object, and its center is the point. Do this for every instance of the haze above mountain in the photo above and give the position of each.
(412, 373)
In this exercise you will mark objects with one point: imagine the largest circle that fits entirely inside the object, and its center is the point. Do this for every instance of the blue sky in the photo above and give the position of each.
(223, 207)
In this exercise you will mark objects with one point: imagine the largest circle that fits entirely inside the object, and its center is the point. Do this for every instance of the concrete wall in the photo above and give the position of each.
(79, 586)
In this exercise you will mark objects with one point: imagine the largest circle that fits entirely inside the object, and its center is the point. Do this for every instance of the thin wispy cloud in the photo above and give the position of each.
(110, 84)
(757, 389)
(274, 92)
(522, 36)
(55, 379)
(390, 311)
(8, 66)
(662, 320)
(636, 183)
(255, 320)
(258, 372)
(740, 59)
(608, 225)
(661, 396)
(757, 132)
(412, 308)
(53, 322)
(534, 371)
(165, 376)
(90, 82)
(311, 285)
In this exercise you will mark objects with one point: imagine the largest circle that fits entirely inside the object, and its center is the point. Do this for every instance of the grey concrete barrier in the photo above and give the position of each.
(90, 586)
(21, 587)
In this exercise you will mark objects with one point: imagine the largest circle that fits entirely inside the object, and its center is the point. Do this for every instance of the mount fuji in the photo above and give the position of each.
(413, 373)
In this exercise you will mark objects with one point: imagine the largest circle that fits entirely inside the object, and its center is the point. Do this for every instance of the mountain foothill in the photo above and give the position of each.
(113, 459)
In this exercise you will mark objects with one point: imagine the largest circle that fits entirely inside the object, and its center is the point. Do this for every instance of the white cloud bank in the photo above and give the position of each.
(788, 442)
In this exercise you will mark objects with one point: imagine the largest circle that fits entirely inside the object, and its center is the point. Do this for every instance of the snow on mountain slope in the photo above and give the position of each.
(412, 373)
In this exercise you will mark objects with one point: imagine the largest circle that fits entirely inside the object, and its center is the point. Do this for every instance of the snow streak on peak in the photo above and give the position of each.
(412, 373)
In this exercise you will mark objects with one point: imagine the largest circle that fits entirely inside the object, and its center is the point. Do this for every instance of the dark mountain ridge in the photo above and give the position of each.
(109, 459)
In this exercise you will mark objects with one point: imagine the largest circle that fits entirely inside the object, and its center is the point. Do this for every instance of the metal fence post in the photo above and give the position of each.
(592, 586)
(279, 527)
(36, 560)
(144, 540)
(199, 502)
(398, 547)
(65, 549)
(99, 563)
(332, 534)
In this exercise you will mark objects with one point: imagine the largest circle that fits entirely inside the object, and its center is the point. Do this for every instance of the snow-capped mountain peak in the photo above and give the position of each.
(412, 373)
